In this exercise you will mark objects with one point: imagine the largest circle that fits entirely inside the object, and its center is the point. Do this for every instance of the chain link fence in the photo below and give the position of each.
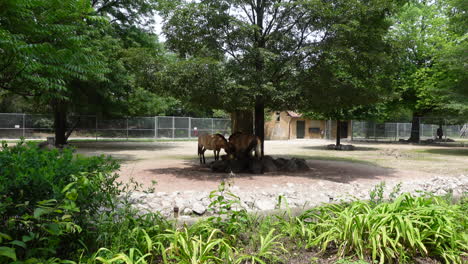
(15, 126)
(396, 131)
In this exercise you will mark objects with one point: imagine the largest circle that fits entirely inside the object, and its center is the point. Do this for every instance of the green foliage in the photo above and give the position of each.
(279, 53)
(49, 197)
(431, 57)
(231, 217)
(29, 174)
(392, 231)
(44, 45)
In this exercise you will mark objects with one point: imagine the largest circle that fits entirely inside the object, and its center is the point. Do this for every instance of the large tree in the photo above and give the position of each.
(260, 45)
(45, 46)
(76, 56)
(432, 62)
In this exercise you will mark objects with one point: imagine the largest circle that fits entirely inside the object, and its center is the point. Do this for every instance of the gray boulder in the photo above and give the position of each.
(265, 204)
(291, 166)
(237, 166)
(280, 163)
(198, 208)
(301, 164)
(219, 166)
(255, 166)
(269, 164)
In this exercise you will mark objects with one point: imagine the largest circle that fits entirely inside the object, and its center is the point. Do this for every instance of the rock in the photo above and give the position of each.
(340, 147)
(264, 204)
(331, 146)
(280, 163)
(269, 164)
(161, 194)
(290, 166)
(348, 147)
(301, 164)
(198, 208)
(219, 166)
(187, 211)
(256, 166)
(238, 166)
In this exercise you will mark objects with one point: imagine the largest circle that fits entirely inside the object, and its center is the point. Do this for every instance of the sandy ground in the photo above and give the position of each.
(175, 166)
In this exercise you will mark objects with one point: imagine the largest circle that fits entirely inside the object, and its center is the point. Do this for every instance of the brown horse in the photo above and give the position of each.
(243, 144)
(214, 142)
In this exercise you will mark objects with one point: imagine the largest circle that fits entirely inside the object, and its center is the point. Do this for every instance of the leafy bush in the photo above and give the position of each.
(48, 197)
(29, 174)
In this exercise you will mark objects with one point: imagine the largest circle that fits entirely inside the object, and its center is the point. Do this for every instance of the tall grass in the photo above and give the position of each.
(392, 231)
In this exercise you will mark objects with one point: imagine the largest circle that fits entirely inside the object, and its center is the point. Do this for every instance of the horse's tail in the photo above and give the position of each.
(258, 147)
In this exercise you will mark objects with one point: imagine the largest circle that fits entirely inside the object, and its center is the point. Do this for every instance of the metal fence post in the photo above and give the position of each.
(173, 127)
(189, 127)
(96, 129)
(397, 131)
(375, 131)
(420, 129)
(155, 127)
(24, 122)
(212, 126)
(127, 127)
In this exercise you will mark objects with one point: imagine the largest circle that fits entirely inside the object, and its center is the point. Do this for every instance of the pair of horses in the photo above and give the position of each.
(239, 145)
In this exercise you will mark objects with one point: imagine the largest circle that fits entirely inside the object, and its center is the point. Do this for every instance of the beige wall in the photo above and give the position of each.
(275, 129)
(286, 127)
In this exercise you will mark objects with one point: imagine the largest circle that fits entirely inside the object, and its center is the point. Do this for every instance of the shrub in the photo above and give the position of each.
(29, 174)
(48, 196)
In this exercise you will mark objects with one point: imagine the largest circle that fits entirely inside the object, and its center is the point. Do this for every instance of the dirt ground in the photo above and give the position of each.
(175, 165)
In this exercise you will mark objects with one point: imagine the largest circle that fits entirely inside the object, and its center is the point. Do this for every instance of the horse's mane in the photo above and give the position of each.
(219, 135)
(235, 134)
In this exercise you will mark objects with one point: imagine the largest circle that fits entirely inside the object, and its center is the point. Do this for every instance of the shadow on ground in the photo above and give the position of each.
(341, 171)
(324, 147)
(447, 151)
(115, 149)
(121, 146)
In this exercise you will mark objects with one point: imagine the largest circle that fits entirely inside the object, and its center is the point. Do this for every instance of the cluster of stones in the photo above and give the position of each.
(341, 147)
(258, 166)
(191, 203)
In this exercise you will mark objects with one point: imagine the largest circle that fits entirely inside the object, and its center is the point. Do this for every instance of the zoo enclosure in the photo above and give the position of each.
(29, 126)
(394, 131)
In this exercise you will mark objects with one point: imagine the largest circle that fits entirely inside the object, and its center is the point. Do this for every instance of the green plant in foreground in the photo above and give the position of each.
(186, 248)
(269, 249)
(231, 217)
(398, 230)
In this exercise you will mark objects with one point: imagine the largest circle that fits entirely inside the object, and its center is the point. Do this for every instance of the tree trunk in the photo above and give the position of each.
(259, 68)
(260, 121)
(440, 132)
(242, 121)
(415, 124)
(60, 122)
(338, 133)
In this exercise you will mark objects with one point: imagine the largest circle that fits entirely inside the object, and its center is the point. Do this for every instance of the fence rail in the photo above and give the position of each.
(15, 126)
(394, 131)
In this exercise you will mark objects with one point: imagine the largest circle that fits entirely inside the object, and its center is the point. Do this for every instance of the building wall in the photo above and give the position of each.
(286, 127)
(277, 129)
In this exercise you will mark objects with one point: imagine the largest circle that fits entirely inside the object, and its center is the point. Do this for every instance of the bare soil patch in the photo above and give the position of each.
(175, 166)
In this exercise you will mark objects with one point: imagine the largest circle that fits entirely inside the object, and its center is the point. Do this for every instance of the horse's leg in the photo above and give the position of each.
(199, 156)
(215, 155)
(203, 154)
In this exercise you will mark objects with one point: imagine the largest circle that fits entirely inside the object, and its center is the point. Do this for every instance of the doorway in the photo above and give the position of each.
(300, 129)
